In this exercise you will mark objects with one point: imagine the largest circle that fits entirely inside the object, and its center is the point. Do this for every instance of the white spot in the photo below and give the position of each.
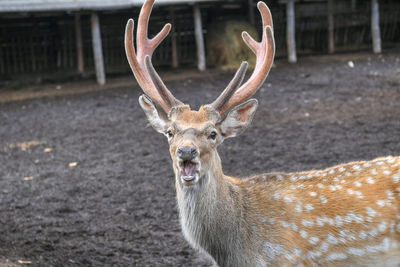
(302, 186)
(343, 181)
(384, 246)
(293, 187)
(350, 191)
(348, 173)
(351, 216)
(313, 254)
(332, 171)
(339, 221)
(324, 246)
(293, 178)
(392, 224)
(294, 227)
(302, 177)
(356, 251)
(389, 193)
(357, 167)
(336, 256)
(310, 176)
(339, 187)
(370, 180)
(357, 183)
(313, 194)
(342, 169)
(380, 202)
(380, 163)
(287, 199)
(276, 196)
(307, 223)
(271, 250)
(332, 187)
(331, 239)
(319, 221)
(358, 194)
(374, 172)
(323, 199)
(386, 172)
(336, 179)
(320, 185)
(367, 164)
(285, 224)
(370, 212)
(362, 234)
(382, 226)
(303, 234)
(289, 256)
(313, 240)
(343, 233)
(297, 252)
(351, 238)
(391, 160)
(324, 174)
(396, 178)
(271, 221)
(373, 232)
(279, 177)
(298, 208)
(398, 227)
(262, 219)
(309, 207)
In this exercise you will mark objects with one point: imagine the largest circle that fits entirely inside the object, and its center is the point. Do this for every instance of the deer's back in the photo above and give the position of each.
(344, 215)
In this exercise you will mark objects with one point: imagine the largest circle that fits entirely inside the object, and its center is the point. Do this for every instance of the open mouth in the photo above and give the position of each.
(188, 170)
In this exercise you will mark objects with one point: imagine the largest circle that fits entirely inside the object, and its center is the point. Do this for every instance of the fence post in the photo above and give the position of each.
(376, 32)
(97, 49)
(175, 61)
(198, 32)
(290, 31)
(331, 31)
(79, 46)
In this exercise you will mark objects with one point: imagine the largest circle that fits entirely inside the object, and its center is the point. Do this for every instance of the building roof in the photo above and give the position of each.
(75, 5)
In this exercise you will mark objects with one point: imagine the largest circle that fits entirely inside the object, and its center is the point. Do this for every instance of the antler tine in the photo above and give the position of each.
(231, 88)
(147, 77)
(265, 52)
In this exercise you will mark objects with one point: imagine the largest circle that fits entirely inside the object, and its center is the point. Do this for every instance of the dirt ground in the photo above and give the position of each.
(84, 181)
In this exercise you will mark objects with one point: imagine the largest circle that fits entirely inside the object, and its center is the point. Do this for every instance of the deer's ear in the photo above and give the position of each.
(156, 115)
(238, 119)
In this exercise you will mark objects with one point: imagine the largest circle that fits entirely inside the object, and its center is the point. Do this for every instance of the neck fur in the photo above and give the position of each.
(211, 215)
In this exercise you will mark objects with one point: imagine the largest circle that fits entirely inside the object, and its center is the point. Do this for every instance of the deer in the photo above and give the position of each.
(345, 215)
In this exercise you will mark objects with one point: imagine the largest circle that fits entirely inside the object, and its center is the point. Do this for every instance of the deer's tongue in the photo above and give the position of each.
(188, 168)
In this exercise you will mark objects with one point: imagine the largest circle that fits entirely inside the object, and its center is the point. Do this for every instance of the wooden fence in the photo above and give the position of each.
(45, 43)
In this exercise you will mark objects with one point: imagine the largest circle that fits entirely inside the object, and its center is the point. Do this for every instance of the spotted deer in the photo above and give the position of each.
(346, 215)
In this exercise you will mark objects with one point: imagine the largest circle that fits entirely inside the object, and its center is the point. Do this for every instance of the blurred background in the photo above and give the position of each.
(55, 40)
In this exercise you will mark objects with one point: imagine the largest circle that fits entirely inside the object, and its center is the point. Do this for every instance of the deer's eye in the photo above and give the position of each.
(170, 134)
(212, 135)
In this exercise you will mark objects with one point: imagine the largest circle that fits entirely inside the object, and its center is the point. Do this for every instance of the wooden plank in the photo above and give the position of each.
(375, 29)
(79, 47)
(251, 11)
(331, 32)
(198, 32)
(174, 49)
(97, 49)
(290, 32)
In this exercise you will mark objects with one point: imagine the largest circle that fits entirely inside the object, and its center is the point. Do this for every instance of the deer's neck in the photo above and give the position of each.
(212, 214)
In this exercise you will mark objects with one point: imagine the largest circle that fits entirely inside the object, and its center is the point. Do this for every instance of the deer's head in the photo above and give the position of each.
(194, 135)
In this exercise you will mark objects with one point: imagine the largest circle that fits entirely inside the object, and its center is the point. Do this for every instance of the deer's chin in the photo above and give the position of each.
(189, 172)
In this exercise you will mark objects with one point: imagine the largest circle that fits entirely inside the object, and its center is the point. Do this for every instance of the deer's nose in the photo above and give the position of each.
(187, 152)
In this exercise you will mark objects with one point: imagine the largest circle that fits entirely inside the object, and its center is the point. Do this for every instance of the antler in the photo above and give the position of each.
(265, 52)
(140, 63)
